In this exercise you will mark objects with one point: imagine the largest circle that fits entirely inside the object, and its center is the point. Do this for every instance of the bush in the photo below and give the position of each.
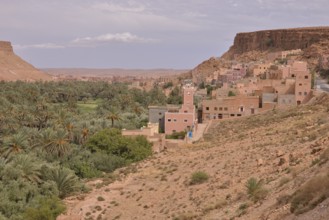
(255, 189)
(177, 135)
(45, 209)
(198, 177)
(112, 142)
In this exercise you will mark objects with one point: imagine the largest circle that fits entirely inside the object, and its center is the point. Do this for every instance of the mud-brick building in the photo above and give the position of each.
(183, 119)
(229, 107)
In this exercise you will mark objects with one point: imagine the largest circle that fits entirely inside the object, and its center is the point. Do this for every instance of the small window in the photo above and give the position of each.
(185, 111)
(225, 109)
(207, 108)
(300, 93)
(306, 77)
(232, 115)
(239, 115)
(175, 119)
(220, 109)
(293, 75)
(300, 84)
(185, 120)
(174, 131)
(169, 120)
(305, 93)
(160, 113)
(215, 108)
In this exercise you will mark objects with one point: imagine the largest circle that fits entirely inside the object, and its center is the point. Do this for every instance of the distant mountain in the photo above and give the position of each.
(13, 68)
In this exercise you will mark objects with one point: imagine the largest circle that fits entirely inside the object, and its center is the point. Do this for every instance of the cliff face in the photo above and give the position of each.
(13, 68)
(276, 40)
(5, 46)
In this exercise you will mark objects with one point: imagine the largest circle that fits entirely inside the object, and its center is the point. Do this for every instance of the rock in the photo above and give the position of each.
(279, 153)
(260, 162)
(282, 161)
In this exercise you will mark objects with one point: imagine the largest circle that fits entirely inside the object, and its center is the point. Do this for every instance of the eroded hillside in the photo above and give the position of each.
(280, 150)
(13, 68)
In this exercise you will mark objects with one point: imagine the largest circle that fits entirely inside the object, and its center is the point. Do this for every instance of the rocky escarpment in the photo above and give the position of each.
(277, 40)
(13, 68)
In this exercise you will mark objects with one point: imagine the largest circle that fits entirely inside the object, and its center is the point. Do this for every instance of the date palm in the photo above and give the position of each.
(54, 142)
(113, 116)
(15, 144)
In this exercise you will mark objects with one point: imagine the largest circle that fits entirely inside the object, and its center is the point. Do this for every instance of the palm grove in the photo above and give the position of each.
(53, 135)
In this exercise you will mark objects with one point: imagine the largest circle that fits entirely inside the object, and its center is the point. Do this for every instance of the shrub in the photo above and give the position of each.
(112, 142)
(45, 208)
(100, 198)
(255, 189)
(198, 177)
(177, 135)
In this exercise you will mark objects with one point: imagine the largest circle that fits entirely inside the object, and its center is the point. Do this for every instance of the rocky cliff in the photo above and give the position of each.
(276, 40)
(13, 68)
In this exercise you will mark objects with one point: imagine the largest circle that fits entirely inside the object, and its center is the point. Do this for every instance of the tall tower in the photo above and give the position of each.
(188, 99)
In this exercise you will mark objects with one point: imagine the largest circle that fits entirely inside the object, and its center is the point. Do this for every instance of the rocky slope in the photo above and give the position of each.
(285, 150)
(13, 68)
(254, 46)
(277, 40)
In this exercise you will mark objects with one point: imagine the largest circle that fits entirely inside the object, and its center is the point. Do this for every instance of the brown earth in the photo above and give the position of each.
(13, 68)
(284, 149)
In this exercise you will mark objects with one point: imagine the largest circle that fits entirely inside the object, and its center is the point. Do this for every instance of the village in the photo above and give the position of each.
(281, 81)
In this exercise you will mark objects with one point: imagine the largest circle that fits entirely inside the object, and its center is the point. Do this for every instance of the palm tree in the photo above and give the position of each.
(66, 181)
(29, 167)
(55, 143)
(14, 144)
(113, 116)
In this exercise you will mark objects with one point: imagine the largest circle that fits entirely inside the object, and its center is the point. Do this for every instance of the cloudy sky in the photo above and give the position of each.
(142, 33)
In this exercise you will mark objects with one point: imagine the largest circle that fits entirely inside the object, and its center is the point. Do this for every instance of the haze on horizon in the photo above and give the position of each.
(142, 33)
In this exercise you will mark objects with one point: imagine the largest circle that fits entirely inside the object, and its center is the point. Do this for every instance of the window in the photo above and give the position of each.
(207, 108)
(300, 84)
(300, 93)
(293, 75)
(215, 108)
(185, 120)
(306, 77)
(220, 109)
(175, 120)
(174, 131)
(185, 111)
(225, 109)
(305, 93)
(169, 120)
(232, 115)
(160, 113)
(239, 115)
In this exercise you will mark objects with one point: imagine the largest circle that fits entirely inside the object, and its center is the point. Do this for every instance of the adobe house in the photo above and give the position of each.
(157, 114)
(303, 83)
(230, 107)
(183, 119)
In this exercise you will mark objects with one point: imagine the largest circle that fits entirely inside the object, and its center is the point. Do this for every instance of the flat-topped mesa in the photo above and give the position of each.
(5, 46)
(277, 40)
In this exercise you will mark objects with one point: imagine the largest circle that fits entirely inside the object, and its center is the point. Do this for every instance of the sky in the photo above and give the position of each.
(144, 34)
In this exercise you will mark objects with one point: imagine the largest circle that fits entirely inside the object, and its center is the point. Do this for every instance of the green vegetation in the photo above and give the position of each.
(177, 135)
(54, 134)
(198, 177)
(255, 189)
(231, 93)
